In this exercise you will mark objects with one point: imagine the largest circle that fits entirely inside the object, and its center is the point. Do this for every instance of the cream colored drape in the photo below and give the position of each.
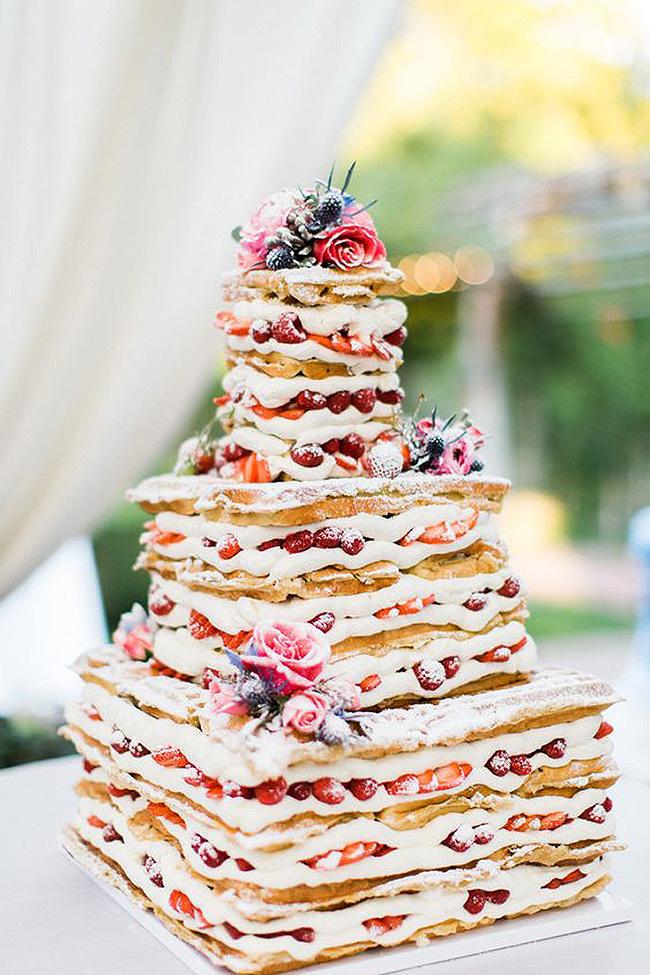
(135, 134)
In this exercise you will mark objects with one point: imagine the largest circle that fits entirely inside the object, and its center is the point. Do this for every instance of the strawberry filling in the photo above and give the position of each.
(158, 537)
(201, 628)
(363, 400)
(477, 899)
(352, 853)
(180, 902)
(502, 653)
(441, 533)
(294, 333)
(378, 926)
(571, 878)
(300, 934)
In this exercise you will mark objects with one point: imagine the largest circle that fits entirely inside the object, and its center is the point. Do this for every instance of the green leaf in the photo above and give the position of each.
(235, 233)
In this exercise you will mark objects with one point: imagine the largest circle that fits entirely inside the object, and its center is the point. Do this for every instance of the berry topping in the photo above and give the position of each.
(475, 902)
(555, 748)
(299, 791)
(210, 856)
(475, 603)
(88, 767)
(269, 543)
(352, 445)
(391, 397)
(208, 542)
(337, 402)
(328, 537)
(323, 622)
(378, 926)
(170, 757)
(520, 765)
(331, 446)
(110, 834)
(328, 790)
(363, 789)
(298, 541)
(483, 834)
(430, 674)
(308, 400)
(244, 864)
(451, 665)
(397, 337)
(510, 588)
(604, 729)
(119, 742)
(351, 541)
(232, 452)
(608, 805)
(160, 604)
(271, 792)
(200, 626)
(288, 329)
(370, 682)
(499, 763)
(460, 840)
(228, 546)
(595, 814)
(261, 331)
(153, 870)
(138, 750)
(404, 785)
(364, 400)
(280, 257)
(307, 454)
(452, 775)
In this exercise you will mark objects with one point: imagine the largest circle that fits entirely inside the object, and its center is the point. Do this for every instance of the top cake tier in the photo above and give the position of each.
(313, 350)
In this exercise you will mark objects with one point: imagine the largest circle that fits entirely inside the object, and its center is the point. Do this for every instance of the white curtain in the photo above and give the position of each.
(135, 134)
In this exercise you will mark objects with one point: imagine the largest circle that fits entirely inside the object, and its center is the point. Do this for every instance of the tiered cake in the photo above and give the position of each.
(327, 734)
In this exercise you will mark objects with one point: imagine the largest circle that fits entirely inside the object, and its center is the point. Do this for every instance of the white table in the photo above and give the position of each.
(56, 921)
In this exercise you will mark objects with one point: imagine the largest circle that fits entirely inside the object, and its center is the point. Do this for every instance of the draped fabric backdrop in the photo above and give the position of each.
(135, 135)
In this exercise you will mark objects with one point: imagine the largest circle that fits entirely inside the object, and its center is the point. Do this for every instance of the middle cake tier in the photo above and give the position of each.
(405, 576)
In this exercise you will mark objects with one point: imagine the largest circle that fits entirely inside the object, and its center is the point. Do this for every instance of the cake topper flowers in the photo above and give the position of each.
(134, 633)
(280, 685)
(438, 446)
(300, 228)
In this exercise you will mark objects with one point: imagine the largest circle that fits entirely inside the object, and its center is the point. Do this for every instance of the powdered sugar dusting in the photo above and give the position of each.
(209, 492)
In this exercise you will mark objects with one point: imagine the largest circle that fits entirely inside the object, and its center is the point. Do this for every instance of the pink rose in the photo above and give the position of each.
(291, 656)
(268, 217)
(224, 701)
(456, 458)
(348, 246)
(305, 712)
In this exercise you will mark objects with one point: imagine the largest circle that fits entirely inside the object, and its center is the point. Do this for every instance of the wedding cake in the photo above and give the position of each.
(327, 732)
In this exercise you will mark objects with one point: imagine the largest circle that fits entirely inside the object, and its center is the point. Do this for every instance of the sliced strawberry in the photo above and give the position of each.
(604, 729)
(442, 532)
(166, 538)
(96, 822)
(354, 852)
(120, 793)
(200, 626)
(428, 781)
(553, 820)
(181, 903)
(369, 683)
(161, 811)
(234, 640)
(571, 878)
(346, 463)
(452, 775)
(170, 758)
(377, 926)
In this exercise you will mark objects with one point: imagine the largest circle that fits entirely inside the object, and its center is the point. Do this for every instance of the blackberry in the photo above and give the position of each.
(477, 465)
(329, 208)
(279, 257)
(254, 692)
(435, 445)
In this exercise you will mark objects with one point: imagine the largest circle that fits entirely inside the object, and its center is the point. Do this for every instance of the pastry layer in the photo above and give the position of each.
(313, 285)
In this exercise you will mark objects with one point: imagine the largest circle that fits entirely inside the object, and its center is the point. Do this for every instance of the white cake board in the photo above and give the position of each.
(597, 912)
